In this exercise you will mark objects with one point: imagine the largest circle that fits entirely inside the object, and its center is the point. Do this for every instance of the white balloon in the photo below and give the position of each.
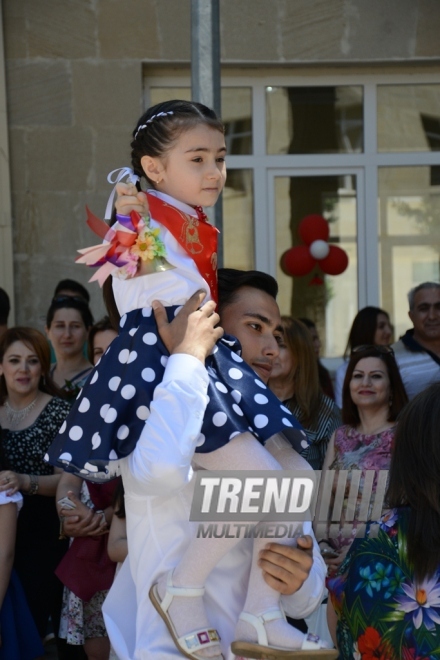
(319, 249)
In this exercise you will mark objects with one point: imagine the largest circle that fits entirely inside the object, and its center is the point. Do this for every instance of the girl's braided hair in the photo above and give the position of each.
(161, 125)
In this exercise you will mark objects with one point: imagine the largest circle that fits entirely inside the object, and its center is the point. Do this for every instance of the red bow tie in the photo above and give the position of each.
(200, 214)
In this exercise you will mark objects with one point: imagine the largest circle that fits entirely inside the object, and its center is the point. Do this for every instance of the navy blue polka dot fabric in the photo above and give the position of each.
(110, 412)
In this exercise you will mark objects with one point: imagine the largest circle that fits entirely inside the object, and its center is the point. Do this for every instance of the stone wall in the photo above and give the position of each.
(74, 90)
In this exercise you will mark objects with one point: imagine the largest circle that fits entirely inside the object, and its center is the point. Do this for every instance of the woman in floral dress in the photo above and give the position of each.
(373, 397)
(386, 596)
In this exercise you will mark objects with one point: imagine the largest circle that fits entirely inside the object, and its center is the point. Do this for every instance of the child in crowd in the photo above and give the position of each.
(179, 147)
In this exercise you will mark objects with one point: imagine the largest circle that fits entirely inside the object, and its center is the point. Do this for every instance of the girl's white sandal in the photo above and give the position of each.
(189, 644)
(311, 647)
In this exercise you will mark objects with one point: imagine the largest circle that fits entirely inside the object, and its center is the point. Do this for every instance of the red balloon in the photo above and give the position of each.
(336, 261)
(297, 261)
(312, 228)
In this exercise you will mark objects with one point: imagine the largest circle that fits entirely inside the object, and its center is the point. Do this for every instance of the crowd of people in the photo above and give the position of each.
(214, 380)
(61, 588)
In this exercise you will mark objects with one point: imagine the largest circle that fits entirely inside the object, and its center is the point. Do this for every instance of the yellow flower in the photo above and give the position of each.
(146, 247)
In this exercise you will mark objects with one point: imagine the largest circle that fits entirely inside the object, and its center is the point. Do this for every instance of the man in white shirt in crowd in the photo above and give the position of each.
(158, 492)
(418, 350)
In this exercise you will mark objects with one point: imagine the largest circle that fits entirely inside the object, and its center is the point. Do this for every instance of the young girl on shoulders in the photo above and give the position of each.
(168, 255)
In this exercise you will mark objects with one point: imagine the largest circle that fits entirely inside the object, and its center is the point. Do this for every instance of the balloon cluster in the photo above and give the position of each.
(316, 251)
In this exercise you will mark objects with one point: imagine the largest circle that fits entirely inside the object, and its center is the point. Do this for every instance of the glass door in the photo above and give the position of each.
(409, 247)
(331, 301)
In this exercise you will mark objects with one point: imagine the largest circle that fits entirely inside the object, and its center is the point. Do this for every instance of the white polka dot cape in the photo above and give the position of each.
(108, 416)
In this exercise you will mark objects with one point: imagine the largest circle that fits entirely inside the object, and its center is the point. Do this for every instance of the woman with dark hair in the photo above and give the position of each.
(100, 337)
(373, 397)
(324, 375)
(371, 326)
(295, 381)
(67, 325)
(387, 593)
(30, 415)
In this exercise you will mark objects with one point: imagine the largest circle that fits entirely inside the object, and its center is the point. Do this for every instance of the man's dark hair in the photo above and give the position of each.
(72, 285)
(5, 307)
(230, 280)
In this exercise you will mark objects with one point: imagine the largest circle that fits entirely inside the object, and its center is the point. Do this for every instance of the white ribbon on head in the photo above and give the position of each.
(159, 114)
(120, 173)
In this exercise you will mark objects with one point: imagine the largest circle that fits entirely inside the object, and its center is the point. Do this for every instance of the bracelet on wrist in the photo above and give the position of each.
(62, 536)
(34, 484)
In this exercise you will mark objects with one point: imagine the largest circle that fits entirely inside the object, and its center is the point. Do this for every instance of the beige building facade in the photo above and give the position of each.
(330, 108)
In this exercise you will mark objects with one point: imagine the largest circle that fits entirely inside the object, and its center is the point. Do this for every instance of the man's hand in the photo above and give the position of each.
(193, 331)
(286, 568)
(129, 199)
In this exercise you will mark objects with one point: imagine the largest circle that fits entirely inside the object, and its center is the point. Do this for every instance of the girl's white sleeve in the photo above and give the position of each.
(161, 460)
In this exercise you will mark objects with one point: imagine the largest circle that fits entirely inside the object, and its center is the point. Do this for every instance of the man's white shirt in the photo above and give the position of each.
(158, 482)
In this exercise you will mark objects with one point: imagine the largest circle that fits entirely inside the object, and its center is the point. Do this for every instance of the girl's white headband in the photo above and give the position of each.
(159, 114)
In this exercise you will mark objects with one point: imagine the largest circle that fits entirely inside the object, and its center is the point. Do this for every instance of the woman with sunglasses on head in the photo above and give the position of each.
(31, 414)
(67, 325)
(373, 397)
(371, 326)
(73, 288)
(386, 594)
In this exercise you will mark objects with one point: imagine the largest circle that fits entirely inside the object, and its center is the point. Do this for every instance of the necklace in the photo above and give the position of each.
(15, 417)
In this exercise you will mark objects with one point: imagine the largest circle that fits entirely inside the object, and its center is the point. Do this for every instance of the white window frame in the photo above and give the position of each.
(364, 165)
(268, 235)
